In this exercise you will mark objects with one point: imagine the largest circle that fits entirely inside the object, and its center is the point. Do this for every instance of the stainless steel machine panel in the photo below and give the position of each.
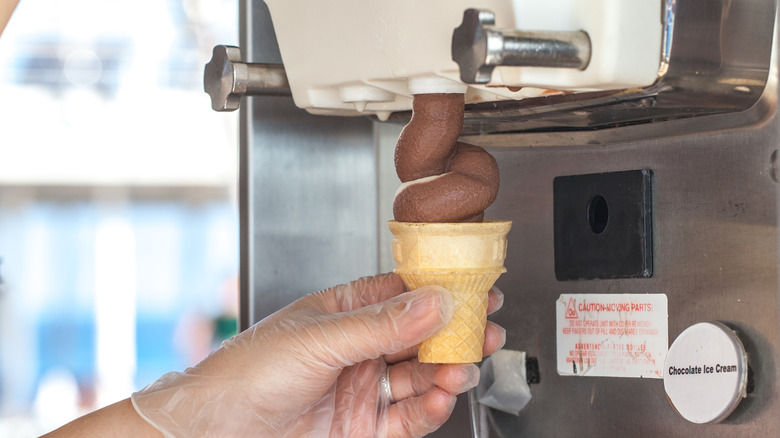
(308, 192)
(716, 258)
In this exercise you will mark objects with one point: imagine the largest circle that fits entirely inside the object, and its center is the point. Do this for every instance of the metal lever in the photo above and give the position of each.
(226, 79)
(478, 46)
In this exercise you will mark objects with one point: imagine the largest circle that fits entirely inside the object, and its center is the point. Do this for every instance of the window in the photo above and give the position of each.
(118, 227)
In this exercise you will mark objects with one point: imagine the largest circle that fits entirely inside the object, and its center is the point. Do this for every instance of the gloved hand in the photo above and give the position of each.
(313, 369)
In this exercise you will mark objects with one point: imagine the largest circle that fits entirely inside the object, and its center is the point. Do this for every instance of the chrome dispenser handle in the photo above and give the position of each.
(478, 46)
(226, 79)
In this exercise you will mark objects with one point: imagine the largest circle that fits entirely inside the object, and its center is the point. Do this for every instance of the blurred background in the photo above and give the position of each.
(118, 224)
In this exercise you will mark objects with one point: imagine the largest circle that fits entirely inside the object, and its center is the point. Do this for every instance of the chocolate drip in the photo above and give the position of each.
(448, 181)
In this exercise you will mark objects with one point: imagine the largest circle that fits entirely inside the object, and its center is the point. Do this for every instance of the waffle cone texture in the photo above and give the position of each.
(464, 258)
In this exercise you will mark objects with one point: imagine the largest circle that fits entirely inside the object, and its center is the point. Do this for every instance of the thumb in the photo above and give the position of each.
(388, 327)
(414, 317)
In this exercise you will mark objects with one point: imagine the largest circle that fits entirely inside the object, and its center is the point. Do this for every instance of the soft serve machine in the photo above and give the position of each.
(638, 147)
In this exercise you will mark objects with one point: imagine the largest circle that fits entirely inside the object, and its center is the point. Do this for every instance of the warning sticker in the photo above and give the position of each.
(612, 335)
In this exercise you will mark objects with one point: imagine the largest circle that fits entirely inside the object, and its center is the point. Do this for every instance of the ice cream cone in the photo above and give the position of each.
(464, 258)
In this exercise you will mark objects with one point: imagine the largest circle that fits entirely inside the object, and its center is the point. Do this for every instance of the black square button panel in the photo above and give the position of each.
(603, 225)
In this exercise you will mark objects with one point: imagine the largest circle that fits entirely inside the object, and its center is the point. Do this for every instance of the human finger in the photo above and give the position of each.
(412, 378)
(346, 338)
(495, 338)
(495, 300)
(402, 355)
(358, 293)
(370, 290)
(419, 416)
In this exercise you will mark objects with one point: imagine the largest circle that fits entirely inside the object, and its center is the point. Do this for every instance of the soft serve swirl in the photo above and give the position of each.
(443, 179)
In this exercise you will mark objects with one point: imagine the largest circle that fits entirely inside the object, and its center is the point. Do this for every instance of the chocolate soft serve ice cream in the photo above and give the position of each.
(439, 234)
(443, 179)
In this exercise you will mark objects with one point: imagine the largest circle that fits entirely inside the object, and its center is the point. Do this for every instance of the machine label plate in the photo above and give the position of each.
(612, 335)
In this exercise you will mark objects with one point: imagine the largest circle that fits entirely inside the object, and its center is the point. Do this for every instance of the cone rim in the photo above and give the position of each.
(491, 227)
(490, 270)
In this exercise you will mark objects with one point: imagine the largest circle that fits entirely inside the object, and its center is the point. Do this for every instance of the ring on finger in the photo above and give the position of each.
(384, 384)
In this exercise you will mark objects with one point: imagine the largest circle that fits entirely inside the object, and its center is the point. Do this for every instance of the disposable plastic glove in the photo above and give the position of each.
(312, 369)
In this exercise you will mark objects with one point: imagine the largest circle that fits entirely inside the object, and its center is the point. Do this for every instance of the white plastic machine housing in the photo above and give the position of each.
(357, 57)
